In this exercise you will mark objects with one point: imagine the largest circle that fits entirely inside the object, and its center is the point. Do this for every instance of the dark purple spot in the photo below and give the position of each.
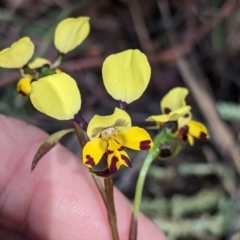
(165, 152)
(123, 105)
(113, 166)
(166, 110)
(126, 160)
(90, 161)
(144, 145)
(187, 115)
(203, 136)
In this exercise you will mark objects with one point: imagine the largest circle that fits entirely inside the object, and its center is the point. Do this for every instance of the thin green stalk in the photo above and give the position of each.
(151, 155)
(108, 182)
(107, 192)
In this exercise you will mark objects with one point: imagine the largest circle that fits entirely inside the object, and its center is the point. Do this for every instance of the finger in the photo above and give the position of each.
(59, 199)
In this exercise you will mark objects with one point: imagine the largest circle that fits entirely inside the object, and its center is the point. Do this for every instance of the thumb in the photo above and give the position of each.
(58, 200)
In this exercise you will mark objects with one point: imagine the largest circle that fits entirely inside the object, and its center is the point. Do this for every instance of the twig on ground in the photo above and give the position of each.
(140, 26)
(227, 183)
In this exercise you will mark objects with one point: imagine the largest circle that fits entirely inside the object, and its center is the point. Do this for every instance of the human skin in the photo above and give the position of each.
(58, 200)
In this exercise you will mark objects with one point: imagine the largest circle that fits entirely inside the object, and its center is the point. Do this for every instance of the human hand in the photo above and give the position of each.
(58, 200)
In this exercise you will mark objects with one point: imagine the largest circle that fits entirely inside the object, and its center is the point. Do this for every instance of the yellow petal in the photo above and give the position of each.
(197, 130)
(39, 62)
(126, 75)
(24, 85)
(135, 138)
(118, 120)
(70, 33)
(190, 139)
(117, 156)
(174, 99)
(93, 152)
(180, 112)
(57, 96)
(158, 118)
(172, 116)
(18, 54)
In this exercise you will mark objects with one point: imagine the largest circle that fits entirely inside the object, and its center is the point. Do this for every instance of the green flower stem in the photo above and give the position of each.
(107, 192)
(151, 155)
(58, 61)
(108, 182)
(28, 70)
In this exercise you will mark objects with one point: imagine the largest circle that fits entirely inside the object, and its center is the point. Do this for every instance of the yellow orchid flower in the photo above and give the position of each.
(70, 33)
(109, 135)
(57, 96)
(18, 54)
(174, 108)
(126, 75)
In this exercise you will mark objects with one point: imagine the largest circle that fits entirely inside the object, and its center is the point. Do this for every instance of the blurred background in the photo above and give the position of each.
(191, 43)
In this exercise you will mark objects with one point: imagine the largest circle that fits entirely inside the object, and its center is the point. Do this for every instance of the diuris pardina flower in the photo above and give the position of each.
(109, 135)
(126, 75)
(174, 106)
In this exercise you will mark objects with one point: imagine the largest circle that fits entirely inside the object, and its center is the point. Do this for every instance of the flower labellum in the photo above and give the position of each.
(70, 33)
(57, 96)
(126, 75)
(24, 85)
(18, 54)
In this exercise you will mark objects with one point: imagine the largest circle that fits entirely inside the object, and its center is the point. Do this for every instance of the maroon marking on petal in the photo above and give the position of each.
(166, 110)
(203, 136)
(186, 115)
(113, 166)
(121, 148)
(90, 161)
(144, 145)
(126, 160)
(183, 132)
(109, 151)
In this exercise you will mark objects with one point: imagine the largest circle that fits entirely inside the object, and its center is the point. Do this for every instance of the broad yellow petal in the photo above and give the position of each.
(118, 120)
(197, 130)
(70, 33)
(57, 96)
(24, 85)
(135, 138)
(126, 75)
(117, 156)
(172, 116)
(93, 152)
(18, 54)
(39, 62)
(174, 99)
